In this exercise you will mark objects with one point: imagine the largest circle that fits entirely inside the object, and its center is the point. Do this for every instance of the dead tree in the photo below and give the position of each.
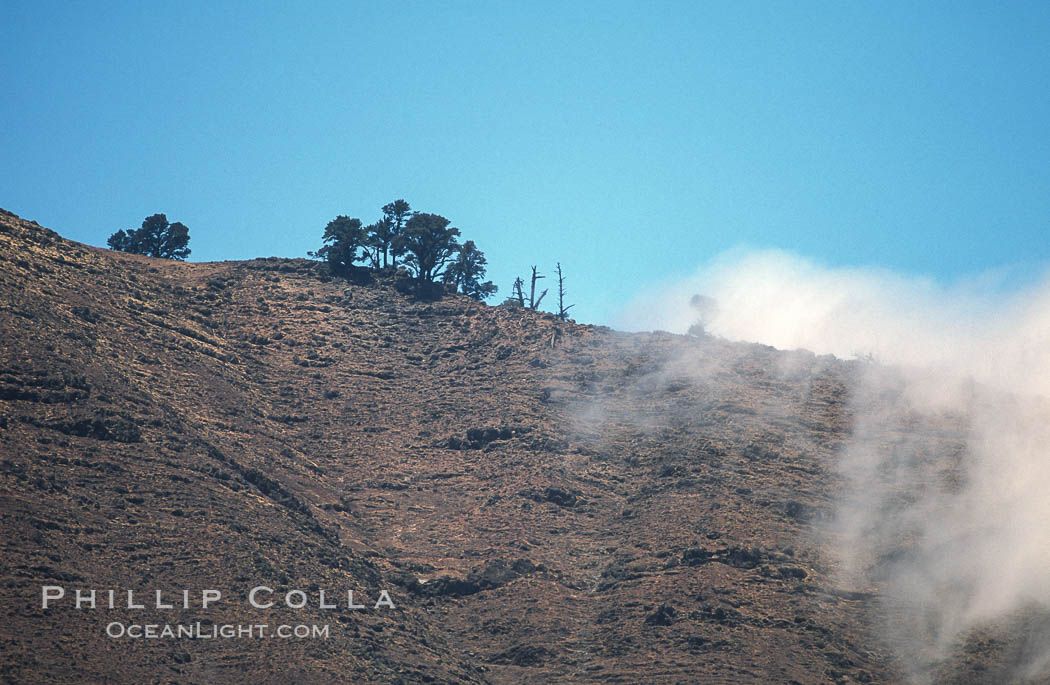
(518, 292)
(534, 302)
(563, 311)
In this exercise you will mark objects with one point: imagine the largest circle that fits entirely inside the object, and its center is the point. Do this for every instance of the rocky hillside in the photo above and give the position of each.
(543, 501)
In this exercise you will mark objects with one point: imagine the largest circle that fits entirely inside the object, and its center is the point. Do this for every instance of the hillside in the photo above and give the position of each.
(544, 501)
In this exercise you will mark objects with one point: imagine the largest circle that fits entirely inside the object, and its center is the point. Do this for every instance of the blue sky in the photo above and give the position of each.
(631, 141)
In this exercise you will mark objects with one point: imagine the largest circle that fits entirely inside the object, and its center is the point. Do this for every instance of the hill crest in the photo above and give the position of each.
(544, 501)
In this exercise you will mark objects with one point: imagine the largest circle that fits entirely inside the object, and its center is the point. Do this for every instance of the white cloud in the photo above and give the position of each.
(955, 538)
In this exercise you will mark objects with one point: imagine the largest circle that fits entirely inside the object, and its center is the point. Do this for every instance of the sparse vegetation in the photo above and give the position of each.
(518, 299)
(241, 411)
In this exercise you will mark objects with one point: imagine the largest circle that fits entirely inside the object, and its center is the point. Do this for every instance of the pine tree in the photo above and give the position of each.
(343, 237)
(466, 273)
(156, 238)
(431, 245)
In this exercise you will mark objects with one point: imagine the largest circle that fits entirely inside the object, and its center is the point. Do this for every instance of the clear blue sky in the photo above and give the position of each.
(631, 141)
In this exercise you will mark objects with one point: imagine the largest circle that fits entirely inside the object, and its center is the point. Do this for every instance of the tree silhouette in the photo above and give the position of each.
(563, 311)
(395, 216)
(466, 272)
(534, 302)
(156, 238)
(517, 294)
(343, 236)
(380, 241)
(430, 244)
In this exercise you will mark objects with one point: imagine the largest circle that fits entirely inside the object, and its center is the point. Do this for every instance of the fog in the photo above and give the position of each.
(945, 510)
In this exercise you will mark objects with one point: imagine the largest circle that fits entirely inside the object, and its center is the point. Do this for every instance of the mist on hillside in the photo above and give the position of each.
(955, 541)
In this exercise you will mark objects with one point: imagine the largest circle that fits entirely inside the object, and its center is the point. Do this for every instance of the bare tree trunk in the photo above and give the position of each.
(518, 291)
(534, 303)
(563, 311)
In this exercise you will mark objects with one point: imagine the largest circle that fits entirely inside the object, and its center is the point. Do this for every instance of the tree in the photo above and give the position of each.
(517, 294)
(466, 272)
(380, 241)
(430, 244)
(343, 236)
(534, 302)
(156, 238)
(563, 311)
(395, 215)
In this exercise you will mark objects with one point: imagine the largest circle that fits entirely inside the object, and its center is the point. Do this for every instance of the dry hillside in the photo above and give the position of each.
(544, 501)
